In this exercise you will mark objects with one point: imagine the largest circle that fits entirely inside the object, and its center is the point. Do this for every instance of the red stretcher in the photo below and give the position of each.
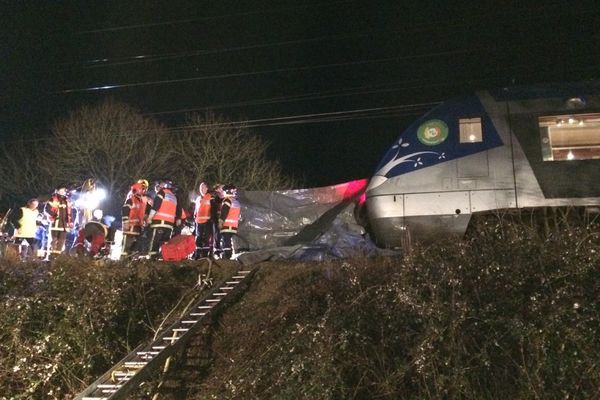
(178, 248)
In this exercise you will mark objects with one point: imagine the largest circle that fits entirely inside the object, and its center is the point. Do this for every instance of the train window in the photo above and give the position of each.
(570, 137)
(470, 130)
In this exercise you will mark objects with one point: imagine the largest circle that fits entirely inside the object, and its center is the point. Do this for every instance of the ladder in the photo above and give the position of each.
(136, 367)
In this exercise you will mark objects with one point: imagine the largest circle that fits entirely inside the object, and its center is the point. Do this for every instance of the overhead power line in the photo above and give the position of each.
(293, 69)
(433, 25)
(334, 116)
(278, 70)
(354, 91)
(209, 18)
(254, 73)
(107, 62)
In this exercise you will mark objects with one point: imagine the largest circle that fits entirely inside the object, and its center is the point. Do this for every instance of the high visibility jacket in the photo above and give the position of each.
(202, 211)
(27, 223)
(59, 211)
(230, 214)
(168, 208)
(137, 211)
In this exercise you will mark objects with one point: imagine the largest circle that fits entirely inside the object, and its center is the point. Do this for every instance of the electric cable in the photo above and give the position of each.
(215, 17)
(294, 69)
(255, 73)
(144, 58)
(346, 115)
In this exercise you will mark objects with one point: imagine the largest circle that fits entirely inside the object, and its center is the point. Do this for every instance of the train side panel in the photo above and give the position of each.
(438, 200)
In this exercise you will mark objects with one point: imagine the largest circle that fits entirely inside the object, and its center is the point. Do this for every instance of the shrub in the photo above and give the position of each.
(506, 313)
(65, 323)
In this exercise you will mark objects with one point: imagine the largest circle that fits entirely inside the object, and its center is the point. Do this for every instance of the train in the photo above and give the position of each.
(507, 148)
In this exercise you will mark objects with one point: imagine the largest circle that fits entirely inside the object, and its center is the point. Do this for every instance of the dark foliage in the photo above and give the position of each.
(509, 312)
(503, 314)
(65, 323)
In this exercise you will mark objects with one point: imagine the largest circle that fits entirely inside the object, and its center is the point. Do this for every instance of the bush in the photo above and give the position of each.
(509, 312)
(64, 324)
(503, 314)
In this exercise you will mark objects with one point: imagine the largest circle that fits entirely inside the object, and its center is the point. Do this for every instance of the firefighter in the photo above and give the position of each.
(185, 221)
(217, 197)
(229, 218)
(26, 223)
(133, 216)
(59, 213)
(202, 213)
(144, 184)
(99, 232)
(164, 216)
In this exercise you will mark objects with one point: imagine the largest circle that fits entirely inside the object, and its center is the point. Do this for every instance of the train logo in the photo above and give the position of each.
(432, 132)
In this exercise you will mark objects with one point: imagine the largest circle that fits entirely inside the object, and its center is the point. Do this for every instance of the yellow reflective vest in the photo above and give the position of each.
(27, 223)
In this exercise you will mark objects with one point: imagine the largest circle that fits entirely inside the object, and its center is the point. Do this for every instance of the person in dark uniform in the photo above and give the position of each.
(229, 218)
(202, 220)
(59, 212)
(99, 232)
(164, 216)
(218, 195)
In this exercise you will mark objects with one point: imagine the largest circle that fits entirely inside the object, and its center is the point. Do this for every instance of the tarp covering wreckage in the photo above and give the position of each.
(307, 224)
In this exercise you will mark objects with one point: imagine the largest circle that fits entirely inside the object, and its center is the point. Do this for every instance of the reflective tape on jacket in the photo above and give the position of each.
(56, 205)
(137, 211)
(202, 211)
(168, 208)
(233, 216)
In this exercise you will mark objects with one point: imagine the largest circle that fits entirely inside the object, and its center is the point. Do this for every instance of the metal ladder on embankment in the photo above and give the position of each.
(136, 367)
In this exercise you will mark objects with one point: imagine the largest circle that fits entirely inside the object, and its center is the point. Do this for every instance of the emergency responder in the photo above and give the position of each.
(164, 216)
(99, 232)
(184, 224)
(229, 218)
(144, 184)
(133, 216)
(26, 221)
(204, 231)
(59, 213)
(215, 208)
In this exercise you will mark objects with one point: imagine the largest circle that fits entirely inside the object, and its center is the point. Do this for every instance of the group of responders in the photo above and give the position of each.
(70, 223)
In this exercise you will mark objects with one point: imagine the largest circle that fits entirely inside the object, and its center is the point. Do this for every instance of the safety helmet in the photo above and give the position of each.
(98, 214)
(62, 190)
(165, 184)
(230, 190)
(144, 183)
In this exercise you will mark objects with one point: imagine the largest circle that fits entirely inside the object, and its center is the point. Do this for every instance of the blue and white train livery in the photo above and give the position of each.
(511, 148)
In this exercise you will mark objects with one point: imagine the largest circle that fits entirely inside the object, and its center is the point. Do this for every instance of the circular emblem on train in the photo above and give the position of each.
(432, 132)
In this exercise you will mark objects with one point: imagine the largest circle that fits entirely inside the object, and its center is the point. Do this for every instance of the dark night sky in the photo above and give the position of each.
(279, 59)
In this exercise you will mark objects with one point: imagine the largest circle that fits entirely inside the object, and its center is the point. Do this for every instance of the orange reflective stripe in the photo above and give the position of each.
(168, 208)
(56, 204)
(137, 212)
(233, 216)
